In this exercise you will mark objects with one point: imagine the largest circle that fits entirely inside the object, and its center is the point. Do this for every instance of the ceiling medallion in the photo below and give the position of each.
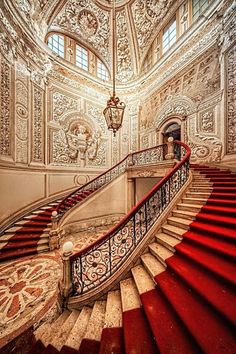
(87, 23)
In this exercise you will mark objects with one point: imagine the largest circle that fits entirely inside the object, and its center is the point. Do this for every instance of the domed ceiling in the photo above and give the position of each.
(89, 21)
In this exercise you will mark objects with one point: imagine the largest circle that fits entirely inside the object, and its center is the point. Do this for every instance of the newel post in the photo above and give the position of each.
(170, 149)
(54, 234)
(66, 284)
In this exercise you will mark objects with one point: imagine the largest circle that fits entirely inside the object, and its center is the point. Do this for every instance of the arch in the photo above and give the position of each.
(175, 110)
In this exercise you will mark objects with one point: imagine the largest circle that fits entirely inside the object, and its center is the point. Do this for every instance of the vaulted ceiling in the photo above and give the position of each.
(89, 21)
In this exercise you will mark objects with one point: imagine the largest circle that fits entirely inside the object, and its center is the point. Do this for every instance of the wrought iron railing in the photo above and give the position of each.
(147, 156)
(99, 261)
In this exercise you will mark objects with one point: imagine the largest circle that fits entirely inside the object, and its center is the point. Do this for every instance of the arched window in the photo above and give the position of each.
(77, 54)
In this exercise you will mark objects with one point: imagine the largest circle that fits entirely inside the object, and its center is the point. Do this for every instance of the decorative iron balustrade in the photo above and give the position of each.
(147, 156)
(94, 265)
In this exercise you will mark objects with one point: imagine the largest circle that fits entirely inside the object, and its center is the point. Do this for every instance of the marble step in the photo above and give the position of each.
(185, 214)
(113, 315)
(60, 337)
(78, 331)
(129, 295)
(160, 252)
(46, 332)
(152, 265)
(174, 231)
(167, 241)
(198, 195)
(188, 200)
(96, 321)
(179, 222)
(142, 279)
(204, 189)
(189, 207)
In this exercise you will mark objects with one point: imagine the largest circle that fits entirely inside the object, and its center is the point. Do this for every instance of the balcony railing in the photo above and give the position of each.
(98, 262)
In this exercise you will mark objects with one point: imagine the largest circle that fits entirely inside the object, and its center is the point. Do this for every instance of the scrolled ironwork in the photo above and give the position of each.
(94, 265)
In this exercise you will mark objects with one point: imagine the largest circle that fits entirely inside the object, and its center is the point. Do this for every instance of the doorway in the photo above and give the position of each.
(173, 130)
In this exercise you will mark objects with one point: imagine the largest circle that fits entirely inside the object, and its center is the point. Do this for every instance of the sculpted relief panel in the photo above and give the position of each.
(22, 111)
(231, 100)
(124, 61)
(5, 117)
(76, 137)
(38, 126)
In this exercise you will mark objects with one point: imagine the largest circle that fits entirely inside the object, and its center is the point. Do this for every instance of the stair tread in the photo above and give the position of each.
(160, 250)
(177, 230)
(129, 295)
(96, 321)
(211, 333)
(170, 240)
(78, 331)
(142, 279)
(218, 245)
(179, 220)
(63, 332)
(221, 296)
(189, 213)
(113, 315)
(152, 264)
(218, 265)
(165, 324)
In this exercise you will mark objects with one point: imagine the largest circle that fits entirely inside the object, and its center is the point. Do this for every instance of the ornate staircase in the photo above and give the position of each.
(30, 234)
(179, 297)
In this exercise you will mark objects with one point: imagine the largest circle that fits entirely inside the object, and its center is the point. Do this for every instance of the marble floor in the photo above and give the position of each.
(29, 286)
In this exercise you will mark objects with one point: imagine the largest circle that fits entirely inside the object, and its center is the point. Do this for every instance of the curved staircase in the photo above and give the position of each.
(180, 298)
(30, 234)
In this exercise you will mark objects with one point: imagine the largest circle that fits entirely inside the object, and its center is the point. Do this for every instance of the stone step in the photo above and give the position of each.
(200, 189)
(46, 332)
(167, 241)
(188, 200)
(179, 222)
(174, 231)
(189, 207)
(78, 331)
(142, 279)
(129, 295)
(152, 264)
(60, 337)
(198, 195)
(113, 315)
(160, 252)
(96, 321)
(185, 214)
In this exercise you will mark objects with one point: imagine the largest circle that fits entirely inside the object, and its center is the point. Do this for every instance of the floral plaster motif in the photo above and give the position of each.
(25, 288)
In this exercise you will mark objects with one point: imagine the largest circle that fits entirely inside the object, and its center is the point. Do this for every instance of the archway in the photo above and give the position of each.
(172, 129)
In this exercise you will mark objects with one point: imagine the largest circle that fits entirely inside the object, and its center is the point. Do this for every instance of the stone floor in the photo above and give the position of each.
(29, 286)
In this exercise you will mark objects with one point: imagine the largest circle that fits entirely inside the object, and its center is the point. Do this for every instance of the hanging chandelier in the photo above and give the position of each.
(114, 110)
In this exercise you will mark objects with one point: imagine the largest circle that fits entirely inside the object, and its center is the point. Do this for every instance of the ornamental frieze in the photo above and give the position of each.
(231, 100)
(63, 104)
(124, 61)
(5, 110)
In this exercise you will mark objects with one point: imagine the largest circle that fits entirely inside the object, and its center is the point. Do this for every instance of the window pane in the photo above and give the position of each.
(56, 43)
(102, 72)
(169, 36)
(81, 57)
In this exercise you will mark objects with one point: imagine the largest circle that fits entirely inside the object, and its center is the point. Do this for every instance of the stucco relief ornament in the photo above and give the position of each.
(80, 144)
(87, 23)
